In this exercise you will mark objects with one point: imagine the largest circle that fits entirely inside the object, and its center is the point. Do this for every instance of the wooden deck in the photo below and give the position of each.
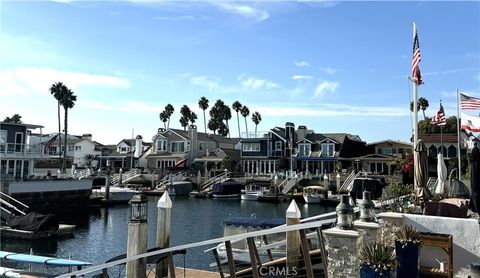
(189, 273)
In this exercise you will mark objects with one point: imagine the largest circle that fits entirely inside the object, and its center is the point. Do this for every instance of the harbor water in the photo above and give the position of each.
(104, 234)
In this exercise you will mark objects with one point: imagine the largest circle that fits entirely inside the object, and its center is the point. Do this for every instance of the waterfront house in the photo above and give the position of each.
(380, 155)
(179, 148)
(17, 153)
(319, 153)
(125, 154)
(268, 151)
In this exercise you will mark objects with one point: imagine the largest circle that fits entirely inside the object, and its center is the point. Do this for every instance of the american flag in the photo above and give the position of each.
(49, 143)
(416, 60)
(469, 103)
(439, 119)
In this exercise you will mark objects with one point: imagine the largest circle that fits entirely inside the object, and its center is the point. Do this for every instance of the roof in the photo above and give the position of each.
(202, 136)
(389, 141)
(437, 138)
(131, 142)
(29, 126)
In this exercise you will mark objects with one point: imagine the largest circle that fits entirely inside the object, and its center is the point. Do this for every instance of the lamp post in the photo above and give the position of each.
(137, 236)
(367, 208)
(344, 213)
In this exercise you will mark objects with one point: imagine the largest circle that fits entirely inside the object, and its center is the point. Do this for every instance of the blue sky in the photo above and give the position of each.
(331, 66)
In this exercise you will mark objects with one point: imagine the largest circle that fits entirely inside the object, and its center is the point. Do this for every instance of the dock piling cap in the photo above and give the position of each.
(293, 211)
(164, 201)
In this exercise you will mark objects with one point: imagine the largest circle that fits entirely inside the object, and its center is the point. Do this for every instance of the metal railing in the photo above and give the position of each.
(12, 205)
(218, 178)
(13, 149)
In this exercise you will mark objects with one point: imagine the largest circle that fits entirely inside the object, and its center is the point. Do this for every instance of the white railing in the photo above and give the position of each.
(216, 241)
(12, 204)
(218, 178)
(168, 179)
(289, 182)
(12, 149)
(127, 176)
(348, 183)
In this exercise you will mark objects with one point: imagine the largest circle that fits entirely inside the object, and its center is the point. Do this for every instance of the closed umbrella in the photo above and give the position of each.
(442, 175)
(421, 172)
(475, 180)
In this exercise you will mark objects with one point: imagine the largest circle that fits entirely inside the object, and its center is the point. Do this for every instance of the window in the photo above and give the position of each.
(123, 149)
(200, 146)
(3, 136)
(304, 149)
(328, 149)
(278, 145)
(452, 151)
(161, 145)
(78, 148)
(178, 147)
(251, 147)
(71, 148)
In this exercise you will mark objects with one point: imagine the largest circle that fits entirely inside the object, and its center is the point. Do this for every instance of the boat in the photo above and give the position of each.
(243, 224)
(253, 191)
(180, 188)
(116, 194)
(313, 194)
(34, 259)
(62, 197)
(227, 189)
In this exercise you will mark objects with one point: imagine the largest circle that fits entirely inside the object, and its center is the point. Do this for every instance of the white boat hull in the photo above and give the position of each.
(313, 199)
(116, 194)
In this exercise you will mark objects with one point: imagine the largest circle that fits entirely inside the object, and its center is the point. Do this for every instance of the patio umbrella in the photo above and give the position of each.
(475, 180)
(442, 175)
(421, 172)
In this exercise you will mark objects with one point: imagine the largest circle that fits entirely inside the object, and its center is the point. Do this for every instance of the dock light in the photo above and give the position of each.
(138, 208)
(367, 208)
(344, 213)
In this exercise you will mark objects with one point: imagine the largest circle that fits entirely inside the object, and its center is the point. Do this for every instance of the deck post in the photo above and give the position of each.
(293, 215)
(120, 176)
(321, 244)
(219, 264)
(137, 237)
(231, 262)
(306, 254)
(164, 212)
(106, 197)
(269, 252)
(254, 258)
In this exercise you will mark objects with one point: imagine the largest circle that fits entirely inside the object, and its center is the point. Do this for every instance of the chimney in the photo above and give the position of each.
(193, 135)
(138, 146)
(301, 132)
(290, 137)
(87, 136)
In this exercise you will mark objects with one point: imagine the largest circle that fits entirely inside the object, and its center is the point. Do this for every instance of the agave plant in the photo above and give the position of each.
(377, 256)
(407, 234)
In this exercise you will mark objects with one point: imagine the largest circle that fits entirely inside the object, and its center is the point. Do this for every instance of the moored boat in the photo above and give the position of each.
(180, 188)
(313, 194)
(227, 189)
(252, 192)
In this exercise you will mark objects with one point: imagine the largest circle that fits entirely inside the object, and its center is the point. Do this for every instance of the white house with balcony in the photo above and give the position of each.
(17, 154)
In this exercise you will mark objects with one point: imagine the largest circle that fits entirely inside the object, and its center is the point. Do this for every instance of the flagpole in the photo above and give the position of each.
(415, 112)
(458, 138)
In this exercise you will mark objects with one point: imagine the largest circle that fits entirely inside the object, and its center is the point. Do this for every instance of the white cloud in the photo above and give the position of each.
(324, 87)
(254, 83)
(332, 110)
(24, 81)
(302, 64)
(449, 71)
(301, 77)
(329, 70)
(208, 82)
(246, 11)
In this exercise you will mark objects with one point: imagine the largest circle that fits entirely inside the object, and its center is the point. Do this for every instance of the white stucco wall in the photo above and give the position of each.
(86, 147)
(465, 233)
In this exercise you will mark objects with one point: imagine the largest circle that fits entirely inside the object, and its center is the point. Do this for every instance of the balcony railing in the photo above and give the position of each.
(24, 150)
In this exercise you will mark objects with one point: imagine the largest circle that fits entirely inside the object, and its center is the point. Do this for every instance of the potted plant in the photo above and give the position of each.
(407, 247)
(376, 260)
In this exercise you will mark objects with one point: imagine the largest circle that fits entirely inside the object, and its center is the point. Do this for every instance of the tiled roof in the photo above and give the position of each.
(435, 138)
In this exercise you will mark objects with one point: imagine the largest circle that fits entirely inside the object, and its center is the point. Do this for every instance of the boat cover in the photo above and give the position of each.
(34, 221)
(263, 223)
(374, 185)
(34, 259)
(228, 187)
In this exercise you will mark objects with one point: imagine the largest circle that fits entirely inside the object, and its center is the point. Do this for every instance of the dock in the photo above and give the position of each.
(63, 230)
(189, 273)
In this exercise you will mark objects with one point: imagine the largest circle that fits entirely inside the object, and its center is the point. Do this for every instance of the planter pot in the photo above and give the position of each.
(368, 272)
(407, 259)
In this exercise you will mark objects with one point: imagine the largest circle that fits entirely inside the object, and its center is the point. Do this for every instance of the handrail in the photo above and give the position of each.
(217, 178)
(288, 228)
(3, 195)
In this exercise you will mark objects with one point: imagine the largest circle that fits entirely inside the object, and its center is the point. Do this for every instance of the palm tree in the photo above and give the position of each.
(237, 107)
(193, 117)
(256, 118)
(245, 112)
(57, 89)
(203, 104)
(423, 104)
(184, 122)
(15, 119)
(163, 118)
(226, 115)
(169, 112)
(186, 114)
(67, 101)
